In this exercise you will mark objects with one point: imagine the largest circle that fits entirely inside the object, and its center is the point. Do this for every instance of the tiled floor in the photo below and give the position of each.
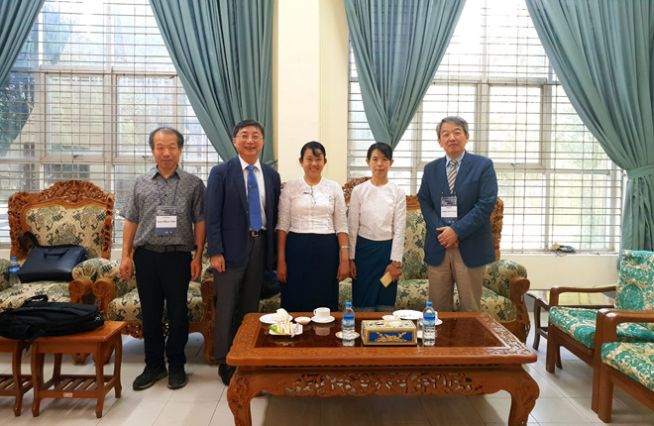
(564, 400)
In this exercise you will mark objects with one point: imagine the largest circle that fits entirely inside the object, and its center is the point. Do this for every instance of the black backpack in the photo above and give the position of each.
(38, 317)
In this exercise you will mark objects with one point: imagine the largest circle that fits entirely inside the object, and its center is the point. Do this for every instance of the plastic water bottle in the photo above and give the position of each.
(428, 325)
(14, 266)
(347, 325)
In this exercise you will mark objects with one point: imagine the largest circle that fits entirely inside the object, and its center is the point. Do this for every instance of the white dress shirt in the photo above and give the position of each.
(260, 183)
(306, 209)
(378, 213)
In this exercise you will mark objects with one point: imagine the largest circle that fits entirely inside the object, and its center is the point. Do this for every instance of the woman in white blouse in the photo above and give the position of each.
(376, 223)
(312, 241)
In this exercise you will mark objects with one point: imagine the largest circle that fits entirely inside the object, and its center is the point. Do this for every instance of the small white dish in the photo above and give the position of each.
(303, 320)
(339, 334)
(271, 318)
(408, 314)
(297, 330)
(322, 320)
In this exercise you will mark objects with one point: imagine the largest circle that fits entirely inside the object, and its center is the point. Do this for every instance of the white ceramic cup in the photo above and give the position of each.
(321, 313)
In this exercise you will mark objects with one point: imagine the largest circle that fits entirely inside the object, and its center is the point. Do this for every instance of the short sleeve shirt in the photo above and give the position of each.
(182, 190)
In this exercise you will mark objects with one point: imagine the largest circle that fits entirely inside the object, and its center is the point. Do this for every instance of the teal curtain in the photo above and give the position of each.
(398, 46)
(603, 53)
(16, 20)
(222, 51)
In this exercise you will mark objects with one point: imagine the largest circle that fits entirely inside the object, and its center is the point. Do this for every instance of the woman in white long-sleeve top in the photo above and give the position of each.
(312, 241)
(376, 223)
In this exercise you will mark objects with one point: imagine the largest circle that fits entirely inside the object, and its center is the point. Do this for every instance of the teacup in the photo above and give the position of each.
(322, 313)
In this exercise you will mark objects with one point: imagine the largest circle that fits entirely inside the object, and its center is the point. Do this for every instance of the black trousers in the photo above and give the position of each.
(163, 279)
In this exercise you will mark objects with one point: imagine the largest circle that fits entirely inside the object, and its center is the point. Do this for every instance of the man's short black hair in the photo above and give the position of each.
(168, 131)
(247, 123)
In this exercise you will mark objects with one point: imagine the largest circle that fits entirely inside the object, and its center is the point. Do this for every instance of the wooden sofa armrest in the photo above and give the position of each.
(608, 320)
(518, 286)
(104, 291)
(557, 290)
(78, 288)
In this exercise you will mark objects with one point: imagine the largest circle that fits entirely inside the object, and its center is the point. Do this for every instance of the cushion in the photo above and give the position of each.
(498, 306)
(579, 323)
(498, 275)
(128, 306)
(4, 274)
(13, 297)
(413, 260)
(635, 289)
(56, 225)
(635, 360)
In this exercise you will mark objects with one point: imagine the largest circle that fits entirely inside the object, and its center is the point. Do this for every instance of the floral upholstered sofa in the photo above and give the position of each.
(118, 300)
(630, 365)
(68, 212)
(504, 286)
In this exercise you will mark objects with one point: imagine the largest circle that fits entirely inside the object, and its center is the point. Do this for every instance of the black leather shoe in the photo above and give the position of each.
(177, 378)
(149, 377)
(226, 372)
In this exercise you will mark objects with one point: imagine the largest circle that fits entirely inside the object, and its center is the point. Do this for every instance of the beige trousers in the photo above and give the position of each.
(468, 283)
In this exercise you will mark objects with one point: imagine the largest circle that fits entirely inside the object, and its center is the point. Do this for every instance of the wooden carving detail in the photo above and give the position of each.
(69, 193)
(78, 289)
(392, 382)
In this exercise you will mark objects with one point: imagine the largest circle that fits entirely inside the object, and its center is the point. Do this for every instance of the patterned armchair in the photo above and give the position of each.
(119, 301)
(505, 282)
(628, 365)
(68, 212)
(575, 328)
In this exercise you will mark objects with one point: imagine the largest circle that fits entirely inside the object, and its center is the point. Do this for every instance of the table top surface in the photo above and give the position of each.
(99, 335)
(464, 338)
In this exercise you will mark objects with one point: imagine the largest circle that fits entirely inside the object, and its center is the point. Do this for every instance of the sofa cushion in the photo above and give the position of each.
(413, 260)
(635, 289)
(128, 306)
(56, 225)
(635, 360)
(13, 297)
(498, 276)
(4, 274)
(579, 323)
(498, 306)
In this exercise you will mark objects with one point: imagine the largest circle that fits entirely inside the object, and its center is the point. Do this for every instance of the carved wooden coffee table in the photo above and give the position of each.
(473, 355)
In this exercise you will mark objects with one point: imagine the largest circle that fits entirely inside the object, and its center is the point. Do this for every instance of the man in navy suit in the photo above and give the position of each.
(457, 195)
(241, 214)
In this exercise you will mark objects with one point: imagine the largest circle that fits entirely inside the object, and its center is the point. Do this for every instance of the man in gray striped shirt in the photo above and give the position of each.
(164, 224)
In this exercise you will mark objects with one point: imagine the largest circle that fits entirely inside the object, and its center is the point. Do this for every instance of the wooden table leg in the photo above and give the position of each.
(37, 378)
(99, 379)
(524, 392)
(118, 348)
(239, 396)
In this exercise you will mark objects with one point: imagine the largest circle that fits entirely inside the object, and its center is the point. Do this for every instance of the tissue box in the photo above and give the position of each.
(380, 332)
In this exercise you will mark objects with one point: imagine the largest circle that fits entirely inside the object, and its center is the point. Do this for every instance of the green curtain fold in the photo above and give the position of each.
(603, 53)
(16, 20)
(222, 51)
(398, 46)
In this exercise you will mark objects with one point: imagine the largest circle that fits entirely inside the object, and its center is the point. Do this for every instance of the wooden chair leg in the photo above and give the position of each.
(604, 397)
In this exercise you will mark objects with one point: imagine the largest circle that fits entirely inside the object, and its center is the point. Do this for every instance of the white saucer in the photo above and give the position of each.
(339, 334)
(322, 320)
(408, 314)
(271, 318)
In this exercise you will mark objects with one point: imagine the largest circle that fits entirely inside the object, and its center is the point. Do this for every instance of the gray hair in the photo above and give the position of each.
(453, 119)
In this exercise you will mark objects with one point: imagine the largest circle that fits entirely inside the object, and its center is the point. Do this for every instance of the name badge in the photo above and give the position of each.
(449, 209)
(166, 221)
